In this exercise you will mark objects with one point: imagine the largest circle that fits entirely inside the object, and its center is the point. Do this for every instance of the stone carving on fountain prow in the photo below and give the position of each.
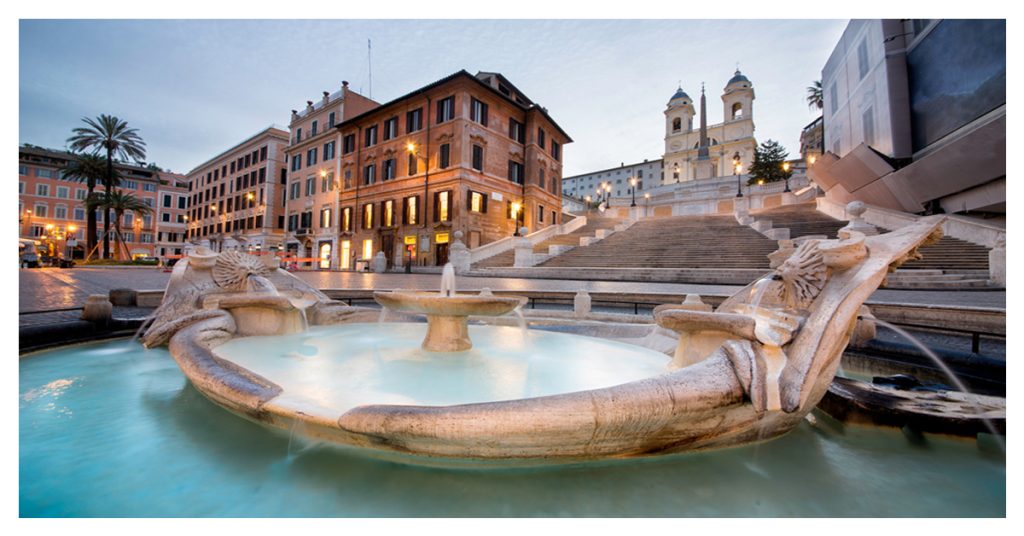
(785, 333)
(233, 293)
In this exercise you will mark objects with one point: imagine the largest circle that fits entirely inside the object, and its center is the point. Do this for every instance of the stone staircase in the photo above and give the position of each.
(679, 242)
(594, 224)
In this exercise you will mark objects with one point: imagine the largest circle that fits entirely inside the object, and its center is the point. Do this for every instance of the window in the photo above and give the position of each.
(330, 120)
(862, 58)
(390, 128)
(296, 162)
(129, 236)
(43, 190)
(62, 192)
(441, 206)
(348, 179)
(868, 119)
(556, 150)
(737, 110)
(369, 175)
(263, 175)
(295, 190)
(367, 248)
(540, 213)
(45, 173)
(146, 238)
(328, 151)
(298, 135)
(79, 213)
(346, 220)
(478, 112)
(413, 120)
(388, 169)
(368, 216)
(23, 170)
(445, 155)
(263, 153)
(311, 157)
(370, 136)
(478, 158)
(677, 124)
(387, 213)
(166, 217)
(247, 161)
(129, 219)
(310, 185)
(325, 218)
(413, 164)
(476, 202)
(325, 183)
(60, 212)
(312, 129)
(181, 201)
(348, 143)
(39, 210)
(541, 177)
(446, 109)
(540, 137)
(148, 187)
(516, 131)
(515, 172)
(410, 210)
(167, 200)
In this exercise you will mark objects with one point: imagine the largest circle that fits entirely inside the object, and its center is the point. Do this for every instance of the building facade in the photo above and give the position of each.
(709, 150)
(236, 199)
(595, 185)
(51, 208)
(915, 116)
(467, 153)
(171, 209)
(313, 168)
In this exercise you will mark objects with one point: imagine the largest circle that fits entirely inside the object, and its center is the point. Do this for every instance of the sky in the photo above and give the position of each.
(194, 88)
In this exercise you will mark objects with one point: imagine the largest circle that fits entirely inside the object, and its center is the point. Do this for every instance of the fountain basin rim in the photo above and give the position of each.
(434, 303)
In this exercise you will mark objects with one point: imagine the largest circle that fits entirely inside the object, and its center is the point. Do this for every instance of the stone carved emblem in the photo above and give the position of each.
(803, 276)
(232, 269)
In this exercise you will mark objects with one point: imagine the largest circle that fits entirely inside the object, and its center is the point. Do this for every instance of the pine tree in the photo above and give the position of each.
(767, 165)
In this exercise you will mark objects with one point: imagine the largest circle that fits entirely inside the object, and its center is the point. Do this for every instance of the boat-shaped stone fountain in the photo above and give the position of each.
(748, 371)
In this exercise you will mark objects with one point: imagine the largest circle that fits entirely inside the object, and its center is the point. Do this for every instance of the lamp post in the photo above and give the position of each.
(28, 221)
(588, 199)
(516, 207)
(632, 183)
(67, 240)
(647, 202)
(737, 168)
(785, 169)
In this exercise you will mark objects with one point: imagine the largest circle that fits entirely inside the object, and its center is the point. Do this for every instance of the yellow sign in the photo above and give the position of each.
(441, 238)
(410, 240)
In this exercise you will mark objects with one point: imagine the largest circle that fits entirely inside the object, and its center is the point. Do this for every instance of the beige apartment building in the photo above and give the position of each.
(312, 157)
(236, 199)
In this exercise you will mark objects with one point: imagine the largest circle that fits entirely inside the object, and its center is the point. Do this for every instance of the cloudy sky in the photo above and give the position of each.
(194, 88)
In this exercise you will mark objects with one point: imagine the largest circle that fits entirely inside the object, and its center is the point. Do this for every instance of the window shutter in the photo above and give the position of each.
(469, 200)
(484, 118)
(437, 207)
(483, 206)
(405, 211)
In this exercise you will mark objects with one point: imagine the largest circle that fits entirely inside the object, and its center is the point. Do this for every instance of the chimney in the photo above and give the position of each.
(295, 114)
(327, 96)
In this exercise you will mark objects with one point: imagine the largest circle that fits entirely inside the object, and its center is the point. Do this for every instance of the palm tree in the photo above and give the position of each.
(92, 170)
(815, 98)
(119, 202)
(112, 135)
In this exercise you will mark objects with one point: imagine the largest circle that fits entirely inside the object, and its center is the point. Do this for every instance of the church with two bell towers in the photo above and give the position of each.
(709, 150)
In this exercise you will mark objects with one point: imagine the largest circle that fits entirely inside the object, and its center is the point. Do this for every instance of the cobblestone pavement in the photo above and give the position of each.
(53, 288)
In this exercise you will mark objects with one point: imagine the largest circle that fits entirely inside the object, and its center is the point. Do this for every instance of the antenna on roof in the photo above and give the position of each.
(369, 66)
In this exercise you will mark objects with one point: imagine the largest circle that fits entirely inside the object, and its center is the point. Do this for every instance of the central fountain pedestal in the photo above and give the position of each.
(448, 314)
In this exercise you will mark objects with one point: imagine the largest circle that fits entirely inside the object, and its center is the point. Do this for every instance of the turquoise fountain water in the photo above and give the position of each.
(110, 429)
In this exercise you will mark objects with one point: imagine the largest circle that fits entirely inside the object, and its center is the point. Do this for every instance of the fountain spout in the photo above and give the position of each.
(448, 280)
(260, 284)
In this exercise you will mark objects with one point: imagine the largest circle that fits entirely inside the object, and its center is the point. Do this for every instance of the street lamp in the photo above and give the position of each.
(588, 199)
(632, 182)
(647, 202)
(515, 215)
(737, 168)
(608, 192)
(785, 169)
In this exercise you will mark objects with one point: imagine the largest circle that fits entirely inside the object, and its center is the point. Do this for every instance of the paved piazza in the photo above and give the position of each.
(53, 288)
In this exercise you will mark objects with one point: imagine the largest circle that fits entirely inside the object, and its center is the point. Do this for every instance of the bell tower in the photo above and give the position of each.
(738, 98)
(679, 114)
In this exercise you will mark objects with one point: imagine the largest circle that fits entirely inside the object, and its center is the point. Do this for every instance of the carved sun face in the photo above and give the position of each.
(803, 276)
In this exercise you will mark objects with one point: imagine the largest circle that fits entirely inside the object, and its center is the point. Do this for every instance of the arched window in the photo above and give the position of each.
(677, 124)
(737, 110)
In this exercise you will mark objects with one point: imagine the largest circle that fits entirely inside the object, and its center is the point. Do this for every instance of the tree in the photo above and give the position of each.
(92, 170)
(767, 165)
(119, 202)
(815, 98)
(111, 135)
